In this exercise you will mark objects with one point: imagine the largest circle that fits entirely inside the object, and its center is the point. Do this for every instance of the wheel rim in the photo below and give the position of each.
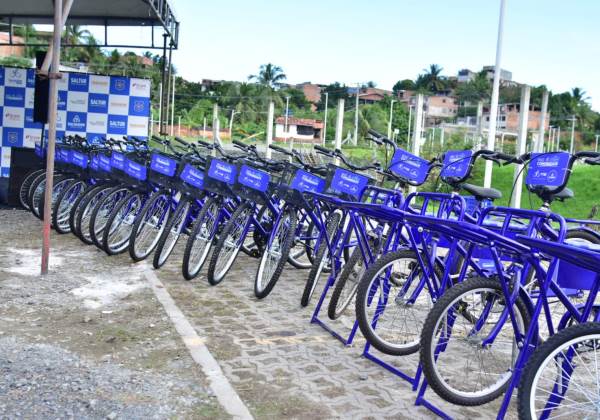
(583, 392)
(120, 230)
(65, 205)
(350, 287)
(397, 305)
(465, 367)
(272, 256)
(231, 244)
(173, 234)
(203, 239)
(151, 227)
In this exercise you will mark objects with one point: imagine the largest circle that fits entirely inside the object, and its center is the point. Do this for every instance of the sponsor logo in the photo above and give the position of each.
(118, 104)
(13, 137)
(120, 84)
(10, 116)
(135, 125)
(116, 124)
(77, 102)
(99, 82)
(139, 106)
(78, 80)
(355, 179)
(548, 163)
(224, 168)
(98, 102)
(163, 161)
(96, 123)
(254, 175)
(76, 123)
(15, 76)
(310, 180)
(14, 97)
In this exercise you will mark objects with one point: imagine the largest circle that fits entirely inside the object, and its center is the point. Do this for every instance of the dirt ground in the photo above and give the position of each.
(90, 340)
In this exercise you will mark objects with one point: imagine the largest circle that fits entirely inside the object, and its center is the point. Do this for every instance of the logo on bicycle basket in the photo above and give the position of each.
(135, 170)
(254, 178)
(222, 171)
(456, 163)
(193, 176)
(104, 163)
(347, 182)
(163, 165)
(95, 163)
(548, 169)
(410, 167)
(65, 156)
(79, 159)
(306, 182)
(117, 160)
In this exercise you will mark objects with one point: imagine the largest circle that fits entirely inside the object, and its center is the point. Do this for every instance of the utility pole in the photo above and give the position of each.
(355, 139)
(572, 148)
(215, 127)
(339, 126)
(558, 140)
(204, 129)
(542, 130)
(231, 124)
(173, 107)
(521, 146)
(285, 124)
(596, 149)
(179, 126)
(270, 129)
(487, 181)
(389, 133)
(409, 124)
(324, 136)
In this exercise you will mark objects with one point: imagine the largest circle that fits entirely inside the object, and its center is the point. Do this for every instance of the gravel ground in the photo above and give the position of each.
(89, 340)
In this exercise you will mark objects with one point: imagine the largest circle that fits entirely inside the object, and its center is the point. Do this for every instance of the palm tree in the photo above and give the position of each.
(432, 80)
(269, 75)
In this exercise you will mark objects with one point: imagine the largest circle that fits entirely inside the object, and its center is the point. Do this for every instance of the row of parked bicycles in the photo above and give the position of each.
(493, 299)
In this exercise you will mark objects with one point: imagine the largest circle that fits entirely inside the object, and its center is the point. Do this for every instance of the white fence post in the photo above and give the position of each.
(521, 145)
(270, 128)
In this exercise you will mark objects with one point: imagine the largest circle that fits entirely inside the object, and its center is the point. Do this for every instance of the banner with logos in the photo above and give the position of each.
(89, 105)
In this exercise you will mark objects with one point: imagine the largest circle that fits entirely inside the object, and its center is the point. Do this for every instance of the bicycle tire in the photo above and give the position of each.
(164, 248)
(107, 245)
(337, 305)
(140, 224)
(25, 185)
(58, 218)
(189, 268)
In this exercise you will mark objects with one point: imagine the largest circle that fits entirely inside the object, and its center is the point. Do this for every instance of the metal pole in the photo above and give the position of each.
(355, 139)
(179, 126)
(169, 80)
(409, 124)
(162, 84)
(204, 129)
(52, 109)
(390, 120)
(521, 145)
(160, 106)
(324, 136)
(442, 138)
(416, 142)
(558, 140)
(339, 126)
(487, 181)
(231, 124)
(173, 107)
(215, 127)
(596, 149)
(542, 130)
(285, 124)
(572, 148)
(270, 128)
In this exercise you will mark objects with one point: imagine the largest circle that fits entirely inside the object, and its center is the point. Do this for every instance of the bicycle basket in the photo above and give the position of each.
(345, 184)
(252, 183)
(294, 182)
(191, 181)
(162, 169)
(219, 177)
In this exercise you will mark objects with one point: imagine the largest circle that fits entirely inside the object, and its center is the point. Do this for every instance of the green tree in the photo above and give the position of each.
(406, 84)
(432, 80)
(475, 90)
(269, 75)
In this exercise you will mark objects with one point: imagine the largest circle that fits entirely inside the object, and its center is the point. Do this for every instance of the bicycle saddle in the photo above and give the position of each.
(482, 193)
(563, 195)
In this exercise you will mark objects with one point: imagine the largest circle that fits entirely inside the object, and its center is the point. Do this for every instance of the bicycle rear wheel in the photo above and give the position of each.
(118, 228)
(229, 244)
(25, 185)
(61, 208)
(276, 254)
(200, 240)
(455, 363)
(77, 208)
(149, 226)
(170, 235)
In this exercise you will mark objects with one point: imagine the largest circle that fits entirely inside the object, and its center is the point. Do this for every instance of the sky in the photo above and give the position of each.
(549, 42)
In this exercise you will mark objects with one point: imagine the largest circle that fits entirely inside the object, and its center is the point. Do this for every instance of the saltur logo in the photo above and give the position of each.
(117, 124)
(99, 103)
(79, 81)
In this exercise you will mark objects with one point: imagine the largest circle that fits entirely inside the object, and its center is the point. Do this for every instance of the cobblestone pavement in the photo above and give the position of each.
(281, 365)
